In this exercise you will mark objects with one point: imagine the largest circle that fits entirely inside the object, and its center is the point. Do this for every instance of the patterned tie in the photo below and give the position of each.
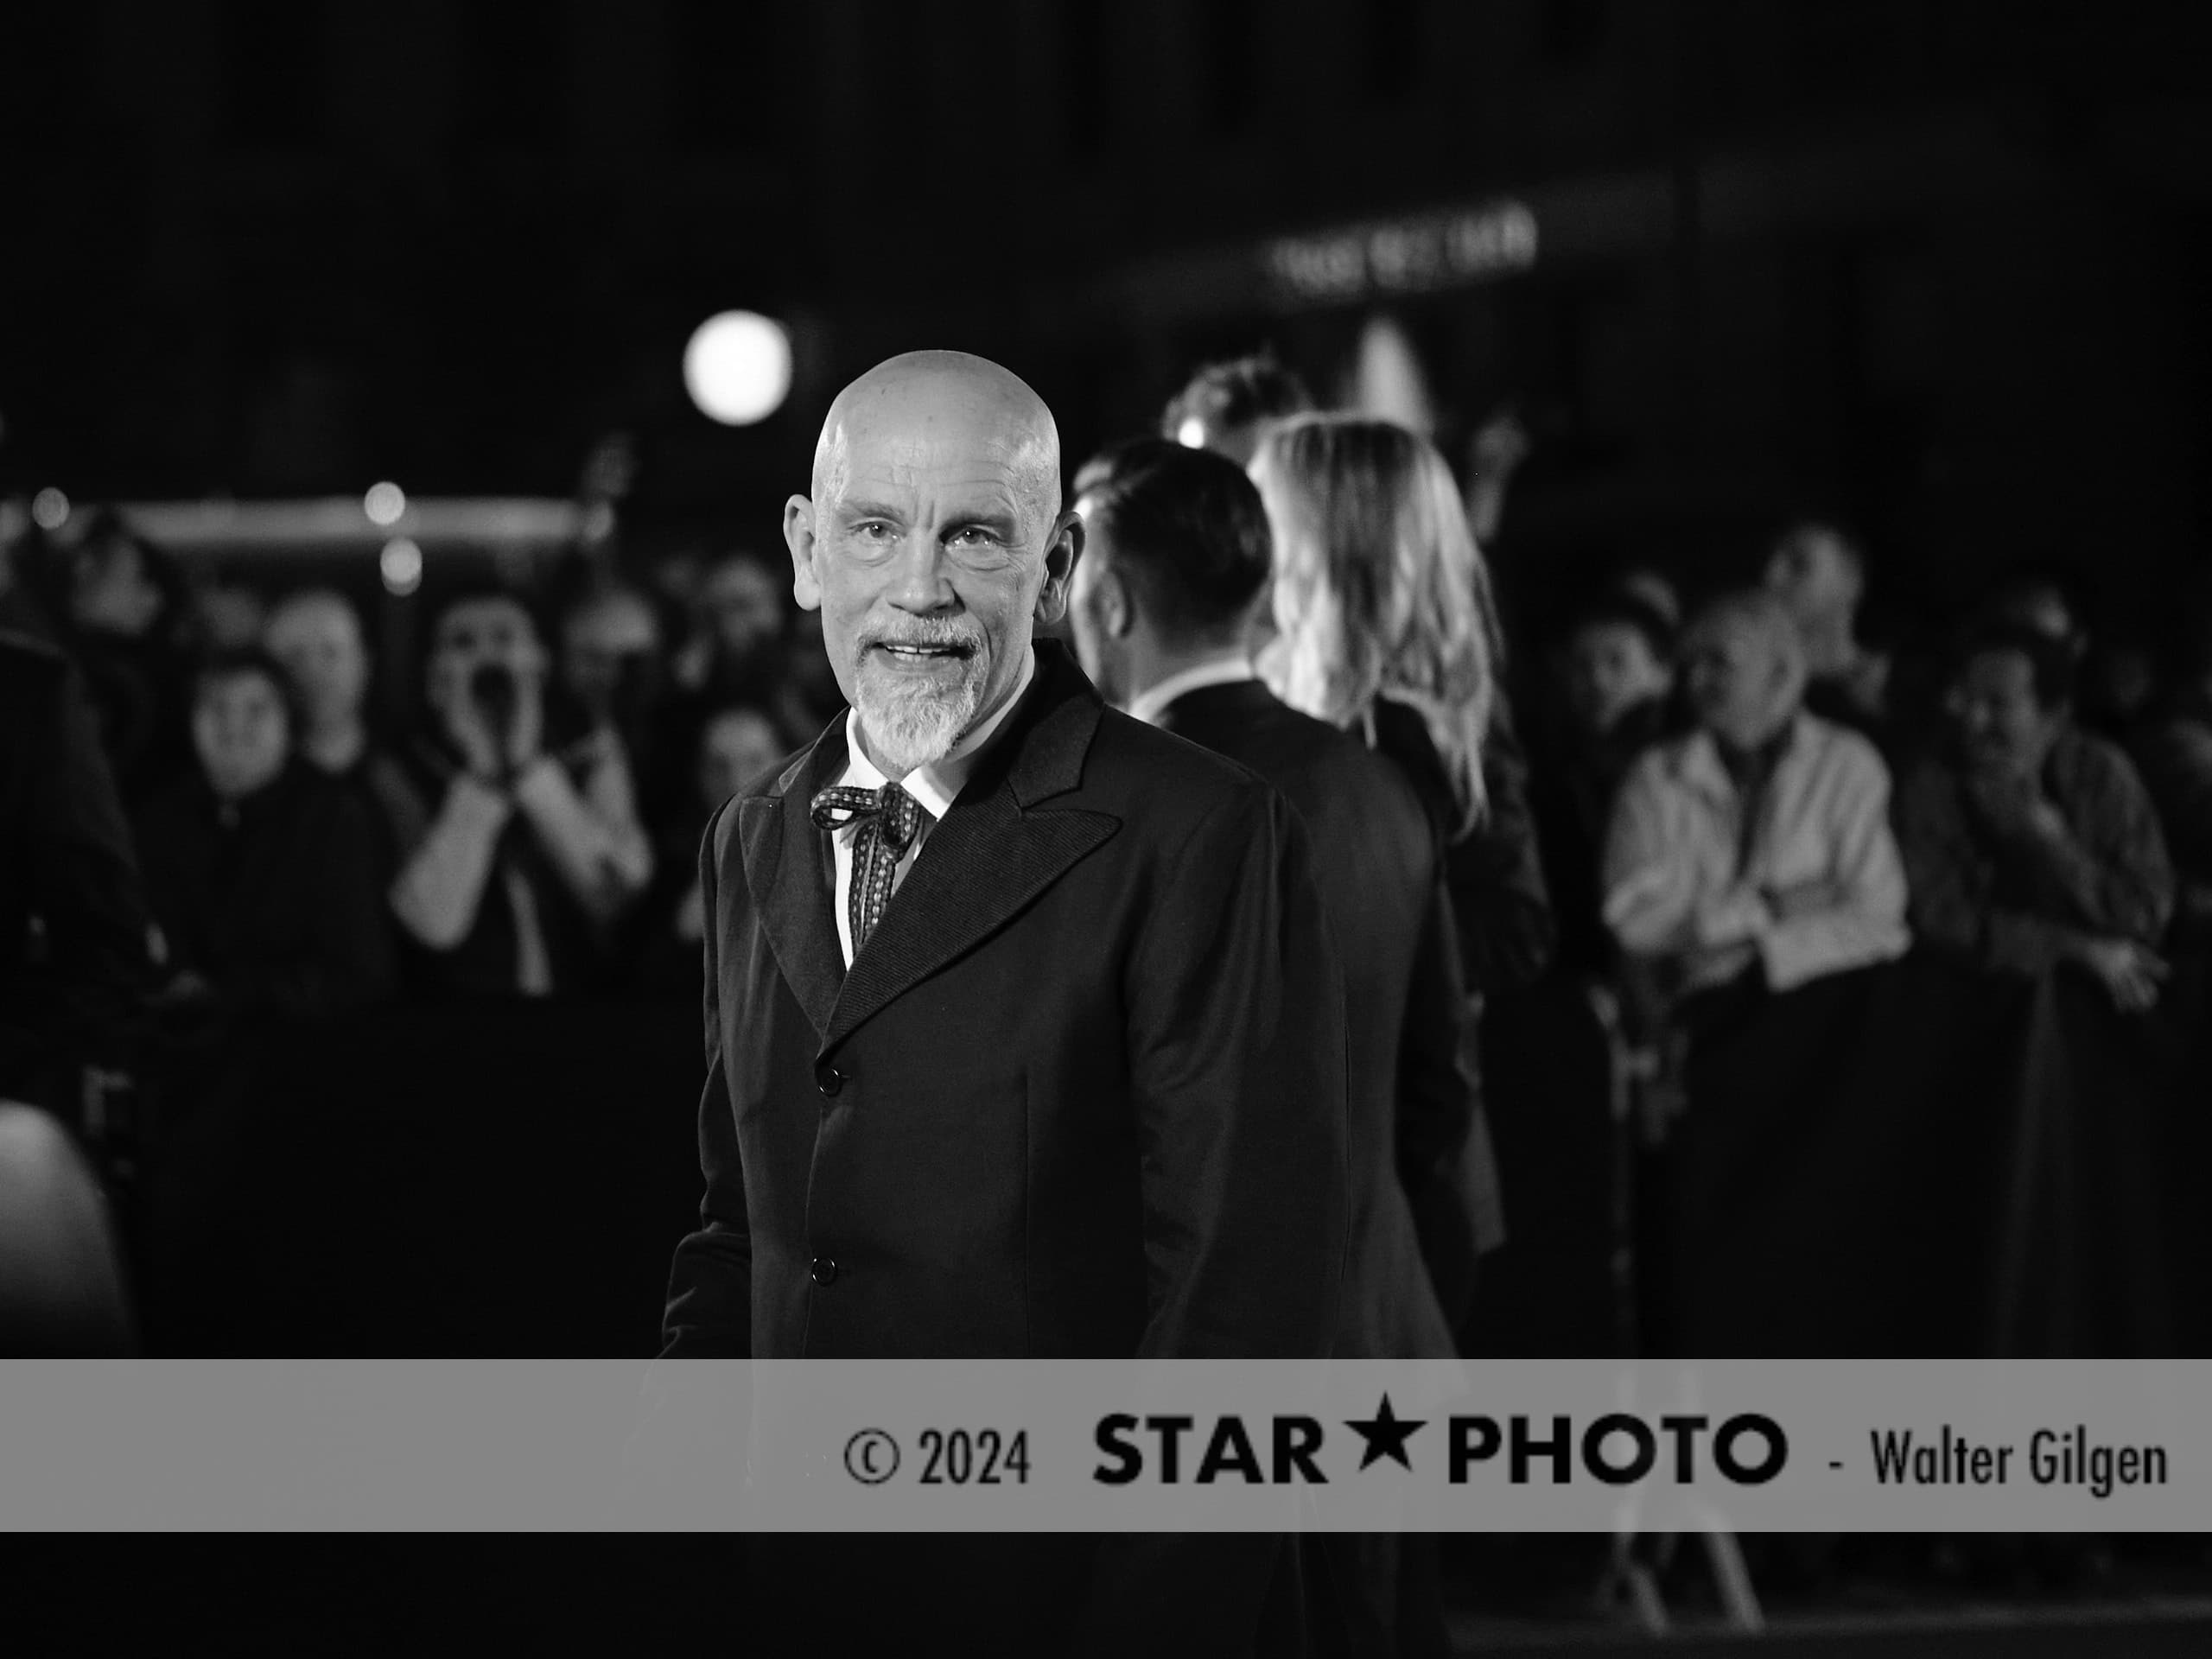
(890, 818)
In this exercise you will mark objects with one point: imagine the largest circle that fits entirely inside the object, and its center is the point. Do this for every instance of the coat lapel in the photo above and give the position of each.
(992, 852)
(786, 872)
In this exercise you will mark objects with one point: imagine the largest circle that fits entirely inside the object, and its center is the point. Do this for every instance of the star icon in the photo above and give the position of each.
(1386, 1434)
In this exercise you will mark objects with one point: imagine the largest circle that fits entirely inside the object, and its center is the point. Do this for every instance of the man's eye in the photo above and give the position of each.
(974, 535)
(874, 530)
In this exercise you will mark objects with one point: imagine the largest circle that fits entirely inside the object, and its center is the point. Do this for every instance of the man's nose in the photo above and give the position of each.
(919, 581)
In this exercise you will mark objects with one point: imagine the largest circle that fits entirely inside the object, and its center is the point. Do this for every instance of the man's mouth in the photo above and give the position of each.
(899, 651)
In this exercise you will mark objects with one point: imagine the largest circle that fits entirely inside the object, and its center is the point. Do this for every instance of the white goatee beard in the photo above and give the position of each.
(912, 726)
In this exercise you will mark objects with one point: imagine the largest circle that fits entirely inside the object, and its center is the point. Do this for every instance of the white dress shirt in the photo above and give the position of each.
(1153, 701)
(1674, 887)
(935, 786)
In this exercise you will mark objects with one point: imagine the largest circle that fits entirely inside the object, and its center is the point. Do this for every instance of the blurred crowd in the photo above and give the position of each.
(1728, 777)
(533, 832)
(1685, 795)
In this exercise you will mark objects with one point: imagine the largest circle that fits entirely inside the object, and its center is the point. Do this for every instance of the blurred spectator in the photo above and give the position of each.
(1616, 676)
(1761, 841)
(742, 653)
(316, 636)
(74, 926)
(1820, 576)
(262, 871)
(519, 850)
(1619, 671)
(127, 618)
(738, 655)
(611, 669)
(1494, 454)
(737, 746)
(1228, 407)
(2031, 600)
(2031, 843)
(674, 577)
(2175, 754)
(1386, 622)
(229, 616)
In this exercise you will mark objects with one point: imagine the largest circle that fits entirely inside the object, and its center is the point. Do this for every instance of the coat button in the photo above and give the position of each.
(829, 1079)
(824, 1271)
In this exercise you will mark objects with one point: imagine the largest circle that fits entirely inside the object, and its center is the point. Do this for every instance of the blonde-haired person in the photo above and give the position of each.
(1761, 841)
(1384, 626)
(1385, 623)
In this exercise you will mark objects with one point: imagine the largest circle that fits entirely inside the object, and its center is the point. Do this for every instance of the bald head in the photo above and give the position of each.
(912, 409)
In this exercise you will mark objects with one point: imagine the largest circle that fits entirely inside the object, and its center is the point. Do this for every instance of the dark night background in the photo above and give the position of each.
(1936, 266)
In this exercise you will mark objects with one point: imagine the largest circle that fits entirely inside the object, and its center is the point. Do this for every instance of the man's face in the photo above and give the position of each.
(1611, 669)
(1097, 598)
(1731, 669)
(931, 559)
(745, 601)
(320, 644)
(2001, 727)
(242, 733)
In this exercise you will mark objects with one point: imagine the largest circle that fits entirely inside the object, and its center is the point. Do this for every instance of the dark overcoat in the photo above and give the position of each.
(1083, 1094)
(1412, 1101)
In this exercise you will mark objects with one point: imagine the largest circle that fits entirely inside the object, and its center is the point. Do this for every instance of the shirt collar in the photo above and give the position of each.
(937, 785)
(1154, 700)
(1701, 765)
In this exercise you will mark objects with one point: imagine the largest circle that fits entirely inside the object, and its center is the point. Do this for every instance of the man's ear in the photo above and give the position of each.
(798, 536)
(1115, 607)
(1061, 552)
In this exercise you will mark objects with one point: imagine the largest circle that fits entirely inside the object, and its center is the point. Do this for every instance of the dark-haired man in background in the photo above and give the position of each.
(1178, 556)
(2033, 843)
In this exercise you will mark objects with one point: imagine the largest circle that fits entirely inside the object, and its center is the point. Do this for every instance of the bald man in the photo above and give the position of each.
(1025, 1032)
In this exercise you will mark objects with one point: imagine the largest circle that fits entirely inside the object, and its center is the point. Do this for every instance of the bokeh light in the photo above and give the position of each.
(385, 504)
(400, 564)
(1191, 434)
(738, 367)
(50, 509)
